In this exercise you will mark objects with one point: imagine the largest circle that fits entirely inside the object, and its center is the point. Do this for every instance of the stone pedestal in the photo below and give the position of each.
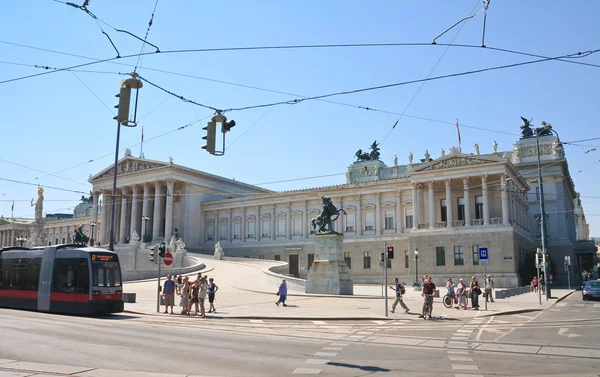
(329, 274)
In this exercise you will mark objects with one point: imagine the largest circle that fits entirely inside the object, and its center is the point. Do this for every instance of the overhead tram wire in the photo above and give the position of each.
(430, 73)
(288, 47)
(146, 36)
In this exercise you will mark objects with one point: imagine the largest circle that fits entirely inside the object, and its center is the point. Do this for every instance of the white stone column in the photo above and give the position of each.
(229, 225)
(486, 205)
(431, 205)
(156, 216)
(244, 226)
(134, 212)
(305, 225)
(467, 199)
(358, 216)
(216, 232)
(415, 196)
(145, 211)
(273, 222)
(123, 223)
(289, 222)
(378, 227)
(421, 200)
(95, 197)
(1, 239)
(505, 204)
(398, 222)
(449, 217)
(104, 219)
(169, 210)
(257, 225)
(12, 238)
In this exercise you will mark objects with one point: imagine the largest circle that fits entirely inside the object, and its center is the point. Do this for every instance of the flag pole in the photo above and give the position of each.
(458, 134)
(142, 144)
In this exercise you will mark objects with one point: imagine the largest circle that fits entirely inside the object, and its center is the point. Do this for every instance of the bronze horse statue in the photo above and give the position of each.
(323, 222)
(79, 237)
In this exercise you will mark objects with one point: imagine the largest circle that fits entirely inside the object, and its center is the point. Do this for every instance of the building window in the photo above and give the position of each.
(223, 231)
(276, 257)
(237, 230)
(539, 229)
(475, 255)
(537, 193)
(367, 259)
(348, 259)
(310, 221)
(297, 226)
(369, 220)
(311, 259)
(349, 223)
(479, 207)
(406, 256)
(281, 227)
(209, 232)
(461, 209)
(459, 256)
(440, 256)
(443, 210)
(389, 219)
(265, 228)
(250, 229)
(409, 218)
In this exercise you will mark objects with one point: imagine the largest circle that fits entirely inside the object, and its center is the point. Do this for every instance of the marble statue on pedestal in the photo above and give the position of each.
(410, 158)
(427, 155)
(179, 245)
(443, 152)
(219, 253)
(135, 237)
(39, 236)
(495, 146)
(476, 146)
(395, 160)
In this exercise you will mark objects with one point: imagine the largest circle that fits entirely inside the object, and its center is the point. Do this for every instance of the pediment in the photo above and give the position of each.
(456, 161)
(128, 165)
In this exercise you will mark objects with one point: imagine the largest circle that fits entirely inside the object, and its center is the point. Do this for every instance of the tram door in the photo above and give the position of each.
(293, 261)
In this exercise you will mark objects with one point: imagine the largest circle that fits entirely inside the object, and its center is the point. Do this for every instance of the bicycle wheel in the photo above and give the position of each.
(447, 300)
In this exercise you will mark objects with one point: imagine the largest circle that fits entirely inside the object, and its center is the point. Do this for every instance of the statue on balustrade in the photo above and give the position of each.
(328, 215)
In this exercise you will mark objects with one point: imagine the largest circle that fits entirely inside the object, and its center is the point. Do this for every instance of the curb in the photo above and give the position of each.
(163, 277)
(509, 312)
(564, 297)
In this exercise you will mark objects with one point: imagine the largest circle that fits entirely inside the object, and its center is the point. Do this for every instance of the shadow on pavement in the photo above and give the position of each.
(117, 317)
(366, 368)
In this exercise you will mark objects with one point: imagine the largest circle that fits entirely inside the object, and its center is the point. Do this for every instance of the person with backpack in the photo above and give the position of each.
(400, 290)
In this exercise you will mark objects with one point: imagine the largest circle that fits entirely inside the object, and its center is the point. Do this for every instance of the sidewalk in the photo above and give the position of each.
(245, 291)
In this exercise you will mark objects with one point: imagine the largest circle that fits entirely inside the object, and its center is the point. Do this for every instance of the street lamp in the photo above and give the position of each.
(92, 226)
(21, 239)
(145, 236)
(542, 207)
(416, 267)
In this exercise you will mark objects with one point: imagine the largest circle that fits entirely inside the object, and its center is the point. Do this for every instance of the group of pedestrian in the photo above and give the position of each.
(192, 294)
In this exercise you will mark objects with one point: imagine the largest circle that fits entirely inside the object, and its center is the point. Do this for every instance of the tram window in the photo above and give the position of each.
(71, 276)
(13, 273)
(106, 274)
(32, 274)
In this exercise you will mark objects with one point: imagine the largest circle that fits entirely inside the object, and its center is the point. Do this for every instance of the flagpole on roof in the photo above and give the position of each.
(142, 144)
(458, 134)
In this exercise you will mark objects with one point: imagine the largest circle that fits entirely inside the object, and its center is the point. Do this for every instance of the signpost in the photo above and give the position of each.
(537, 267)
(168, 259)
(484, 261)
(568, 268)
(385, 279)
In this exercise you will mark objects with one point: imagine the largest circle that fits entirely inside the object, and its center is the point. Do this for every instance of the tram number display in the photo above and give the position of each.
(103, 257)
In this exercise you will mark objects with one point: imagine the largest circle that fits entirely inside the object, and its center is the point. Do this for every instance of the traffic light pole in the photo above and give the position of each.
(158, 291)
(385, 279)
(113, 205)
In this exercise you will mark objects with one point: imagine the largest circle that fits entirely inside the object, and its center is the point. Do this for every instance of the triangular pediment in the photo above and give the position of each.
(128, 165)
(458, 160)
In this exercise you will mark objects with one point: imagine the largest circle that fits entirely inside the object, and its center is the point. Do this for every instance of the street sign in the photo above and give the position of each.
(483, 256)
(168, 259)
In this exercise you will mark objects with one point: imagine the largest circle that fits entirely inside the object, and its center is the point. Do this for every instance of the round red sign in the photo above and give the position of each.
(168, 259)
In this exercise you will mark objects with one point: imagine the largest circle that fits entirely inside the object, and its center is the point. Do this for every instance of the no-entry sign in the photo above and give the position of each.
(168, 259)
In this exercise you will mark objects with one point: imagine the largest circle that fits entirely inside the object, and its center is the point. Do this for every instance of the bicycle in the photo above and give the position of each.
(427, 310)
(449, 299)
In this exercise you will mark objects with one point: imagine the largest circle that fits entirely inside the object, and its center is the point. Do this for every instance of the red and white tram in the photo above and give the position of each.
(68, 279)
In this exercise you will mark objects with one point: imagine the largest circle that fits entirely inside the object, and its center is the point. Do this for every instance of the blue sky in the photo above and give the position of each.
(57, 121)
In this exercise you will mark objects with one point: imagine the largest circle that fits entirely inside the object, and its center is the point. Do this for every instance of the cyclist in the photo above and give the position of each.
(427, 293)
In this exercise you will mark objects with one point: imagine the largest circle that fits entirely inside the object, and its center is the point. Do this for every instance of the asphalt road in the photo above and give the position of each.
(564, 340)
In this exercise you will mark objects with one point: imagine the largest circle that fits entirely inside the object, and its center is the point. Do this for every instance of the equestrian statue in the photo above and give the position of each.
(323, 222)
(79, 237)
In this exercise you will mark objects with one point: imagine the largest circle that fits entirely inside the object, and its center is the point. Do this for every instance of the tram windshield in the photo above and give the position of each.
(105, 270)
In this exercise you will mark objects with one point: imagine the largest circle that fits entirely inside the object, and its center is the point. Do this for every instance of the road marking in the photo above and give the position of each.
(561, 304)
(468, 375)
(357, 337)
(523, 316)
(339, 344)
(256, 321)
(596, 305)
(563, 330)
(457, 352)
(576, 310)
(332, 348)
(317, 361)
(319, 322)
(379, 322)
(459, 338)
(465, 331)
(579, 305)
(365, 333)
(307, 371)
(554, 310)
(326, 354)
(460, 358)
(464, 367)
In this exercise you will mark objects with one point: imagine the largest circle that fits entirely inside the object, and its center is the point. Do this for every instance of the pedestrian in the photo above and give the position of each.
(398, 288)
(461, 293)
(185, 296)
(212, 289)
(194, 300)
(179, 284)
(202, 296)
(534, 284)
(475, 290)
(169, 293)
(489, 286)
(282, 292)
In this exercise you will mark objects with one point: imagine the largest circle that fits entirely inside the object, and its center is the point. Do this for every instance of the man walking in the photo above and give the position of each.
(169, 293)
(489, 285)
(398, 288)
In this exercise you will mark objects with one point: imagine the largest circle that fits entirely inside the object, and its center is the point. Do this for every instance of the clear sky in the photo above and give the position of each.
(57, 129)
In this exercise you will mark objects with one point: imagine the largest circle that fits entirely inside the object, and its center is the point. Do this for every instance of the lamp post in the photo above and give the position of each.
(21, 239)
(416, 267)
(144, 236)
(92, 226)
(542, 206)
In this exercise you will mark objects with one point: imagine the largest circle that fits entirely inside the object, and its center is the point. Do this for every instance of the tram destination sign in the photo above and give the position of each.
(103, 257)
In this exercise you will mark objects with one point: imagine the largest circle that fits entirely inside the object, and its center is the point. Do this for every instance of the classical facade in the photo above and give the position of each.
(445, 208)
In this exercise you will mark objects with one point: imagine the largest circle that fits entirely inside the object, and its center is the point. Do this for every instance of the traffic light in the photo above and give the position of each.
(124, 97)
(154, 255)
(390, 252)
(210, 137)
(161, 250)
(227, 125)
